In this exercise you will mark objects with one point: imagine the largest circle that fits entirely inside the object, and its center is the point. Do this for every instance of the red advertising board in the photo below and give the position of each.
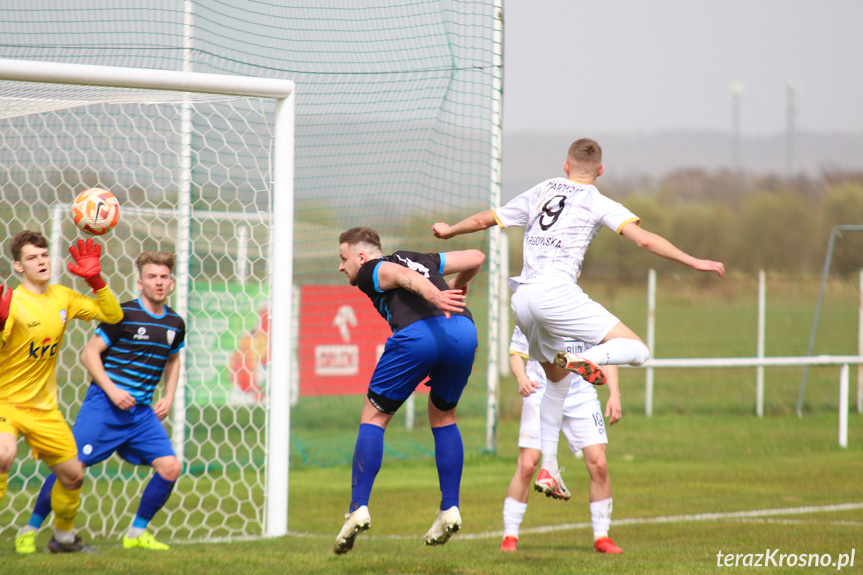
(341, 338)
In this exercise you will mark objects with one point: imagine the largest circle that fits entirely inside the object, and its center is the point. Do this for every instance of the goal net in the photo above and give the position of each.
(397, 127)
(194, 174)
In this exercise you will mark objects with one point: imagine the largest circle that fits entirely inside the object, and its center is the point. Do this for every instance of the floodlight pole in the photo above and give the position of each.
(737, 91)
(790, 118)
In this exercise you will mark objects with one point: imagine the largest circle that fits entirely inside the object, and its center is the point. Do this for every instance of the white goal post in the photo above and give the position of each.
(280, 246)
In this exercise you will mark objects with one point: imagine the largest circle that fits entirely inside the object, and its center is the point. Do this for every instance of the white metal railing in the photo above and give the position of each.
(842, 360)
(759, 362)
(759, 377)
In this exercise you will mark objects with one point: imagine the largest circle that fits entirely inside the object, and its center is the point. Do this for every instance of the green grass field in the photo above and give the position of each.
(701, 476)
(666, 470)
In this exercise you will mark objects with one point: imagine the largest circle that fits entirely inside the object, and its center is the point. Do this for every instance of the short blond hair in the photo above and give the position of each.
(158, 258)
(586, 153)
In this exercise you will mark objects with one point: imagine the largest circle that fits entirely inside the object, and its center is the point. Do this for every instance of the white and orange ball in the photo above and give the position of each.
(96, 211)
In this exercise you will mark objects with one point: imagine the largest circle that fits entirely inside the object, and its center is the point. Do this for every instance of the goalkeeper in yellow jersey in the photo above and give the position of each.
(32, 323)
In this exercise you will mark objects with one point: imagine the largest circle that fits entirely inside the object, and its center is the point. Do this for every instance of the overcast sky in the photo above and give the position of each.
(645, 66)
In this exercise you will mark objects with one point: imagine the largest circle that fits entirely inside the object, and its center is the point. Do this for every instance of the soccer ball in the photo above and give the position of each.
(96, 211)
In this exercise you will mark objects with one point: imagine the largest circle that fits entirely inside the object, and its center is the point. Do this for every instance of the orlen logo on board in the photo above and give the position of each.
(41, 350)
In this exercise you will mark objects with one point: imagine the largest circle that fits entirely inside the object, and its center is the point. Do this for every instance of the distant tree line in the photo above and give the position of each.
(750, 223)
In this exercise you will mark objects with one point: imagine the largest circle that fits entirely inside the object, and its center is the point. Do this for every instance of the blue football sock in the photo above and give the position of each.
(449, 456)
(155, 496)
(368, 454)
(43, 503)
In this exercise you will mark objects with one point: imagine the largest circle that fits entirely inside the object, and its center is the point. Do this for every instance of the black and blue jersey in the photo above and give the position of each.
(401, 307)
(138, 348)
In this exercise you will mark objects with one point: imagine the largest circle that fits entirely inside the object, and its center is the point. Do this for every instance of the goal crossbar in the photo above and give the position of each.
(146, 79)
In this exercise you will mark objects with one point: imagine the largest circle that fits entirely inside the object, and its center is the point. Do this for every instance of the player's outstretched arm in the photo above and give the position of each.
(87, 256)
(91, 358)
(613, 409)
(465, 264)
(392, 276)
(475, 223)
(656, 244)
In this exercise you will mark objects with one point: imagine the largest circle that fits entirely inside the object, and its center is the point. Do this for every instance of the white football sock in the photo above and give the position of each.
(513, 515)
(551, 418)
(618, 351)
(64, 536)
(600, 517)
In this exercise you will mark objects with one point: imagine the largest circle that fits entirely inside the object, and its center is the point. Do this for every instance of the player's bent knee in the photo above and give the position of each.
(598, 470)
(528, 471)
(70, 474)
(6, 460)
(71, 482)
(642, 354)
(8, 450)
(168, 467)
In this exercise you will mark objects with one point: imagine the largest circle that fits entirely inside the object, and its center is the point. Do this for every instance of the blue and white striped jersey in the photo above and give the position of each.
(139, 346)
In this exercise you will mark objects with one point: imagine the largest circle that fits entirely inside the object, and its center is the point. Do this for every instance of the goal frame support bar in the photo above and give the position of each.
(281, 334)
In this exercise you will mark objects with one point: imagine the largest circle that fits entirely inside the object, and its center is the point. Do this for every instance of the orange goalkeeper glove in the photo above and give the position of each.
(86, 256)
(5, 304)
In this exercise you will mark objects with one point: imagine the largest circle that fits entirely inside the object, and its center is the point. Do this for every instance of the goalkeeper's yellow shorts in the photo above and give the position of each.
(44, 430)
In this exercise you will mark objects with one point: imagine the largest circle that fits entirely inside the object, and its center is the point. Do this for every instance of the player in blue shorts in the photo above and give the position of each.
(126, 361)
(433, 336)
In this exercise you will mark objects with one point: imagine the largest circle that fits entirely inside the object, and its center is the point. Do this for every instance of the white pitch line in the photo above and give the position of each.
(683, 518)
(754, 513)
(742, 515)
(799, 522)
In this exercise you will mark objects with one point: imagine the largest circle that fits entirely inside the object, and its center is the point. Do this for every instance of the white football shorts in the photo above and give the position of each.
(548, 313)
(583, 425)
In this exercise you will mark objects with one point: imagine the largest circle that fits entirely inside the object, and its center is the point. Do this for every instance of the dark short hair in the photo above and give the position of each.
(360, 235)
(158, 258)
(585, 151)
(25, 238)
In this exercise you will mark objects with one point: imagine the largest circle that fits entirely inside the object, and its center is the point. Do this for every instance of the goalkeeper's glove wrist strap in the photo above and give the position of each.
(96, 282)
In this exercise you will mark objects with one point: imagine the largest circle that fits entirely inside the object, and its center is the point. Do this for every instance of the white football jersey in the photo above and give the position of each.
(561, 218)
(579, 390)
